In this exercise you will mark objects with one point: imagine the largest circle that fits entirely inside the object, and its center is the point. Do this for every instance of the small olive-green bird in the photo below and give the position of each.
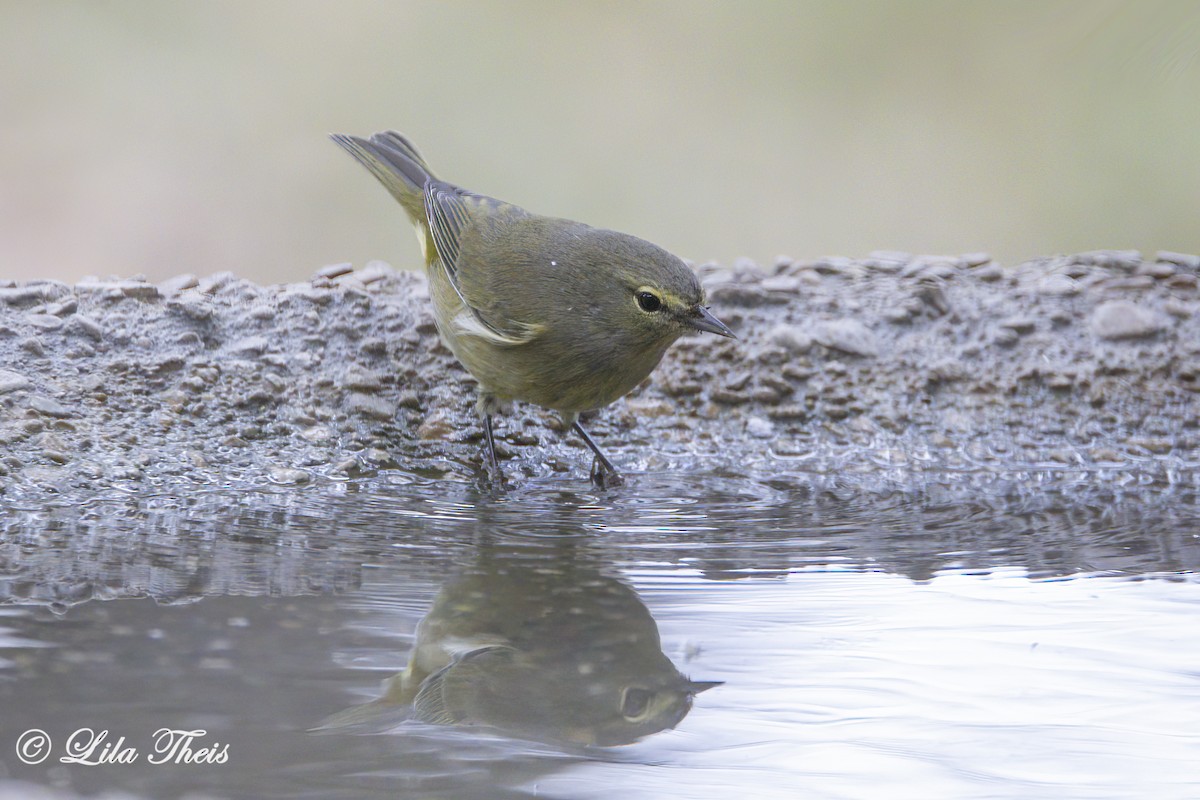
(538, 309)
(548, 648)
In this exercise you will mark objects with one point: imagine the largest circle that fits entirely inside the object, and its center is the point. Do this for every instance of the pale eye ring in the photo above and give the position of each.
(635, 701)
(649, 302)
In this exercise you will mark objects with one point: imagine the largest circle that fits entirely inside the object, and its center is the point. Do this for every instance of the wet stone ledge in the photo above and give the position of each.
(915, 367)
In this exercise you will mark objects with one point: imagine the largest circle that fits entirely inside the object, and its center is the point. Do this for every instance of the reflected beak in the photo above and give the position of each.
(696, 687)
(702, 319)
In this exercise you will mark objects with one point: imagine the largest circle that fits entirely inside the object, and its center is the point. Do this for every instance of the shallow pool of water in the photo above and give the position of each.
(685, 635)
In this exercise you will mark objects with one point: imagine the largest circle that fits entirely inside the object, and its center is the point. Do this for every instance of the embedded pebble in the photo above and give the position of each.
(938, 270)
(760, 428)
(834, 265)
(781, 283)
(370, 406)
(250, 346)
(374, 272)
(989, 273)
(33, 293)
(49, 407)
(362, 380)
(44, 322)
(134, 289)
(377, 455)
(22, 296)
(1005, 337)
(289, 476)
(12, 381)
(193, 305)
(437, 426)
(848, 336)
(789, 412)
(888, 260)
(373, 346)
(1131, 283)
(309, 293)
(781, 264)
(1124, 319)
(317, 434)
(1059, 285)
(1178, 308)
(88, 326)
(737, 294)
(179, 283)
(1126, 260)
(1183, 260)
(215, 282)
(63, 308)
(641, 407)
(792, 338)
(934, 297)
(1151, 444)
(90, 470)
(1021, 325)
(409, 399)
(334, 270)
(1156, 269)
(973, 260)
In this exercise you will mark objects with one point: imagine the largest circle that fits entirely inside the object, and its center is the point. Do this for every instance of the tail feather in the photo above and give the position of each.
(395, 162)
(398, 142)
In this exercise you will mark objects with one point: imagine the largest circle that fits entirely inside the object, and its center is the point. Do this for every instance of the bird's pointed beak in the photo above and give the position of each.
(696, 687)
(702, 319)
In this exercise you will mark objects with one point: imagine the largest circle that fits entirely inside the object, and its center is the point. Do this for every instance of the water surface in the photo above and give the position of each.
(986, 636)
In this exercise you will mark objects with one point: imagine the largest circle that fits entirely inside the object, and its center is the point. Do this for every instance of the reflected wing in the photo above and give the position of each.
(456, 693)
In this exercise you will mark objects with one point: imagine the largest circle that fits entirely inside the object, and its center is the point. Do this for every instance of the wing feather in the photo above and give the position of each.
(449, 211)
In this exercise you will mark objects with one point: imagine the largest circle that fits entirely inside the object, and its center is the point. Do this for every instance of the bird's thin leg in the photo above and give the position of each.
(486, 405)
(606, 467)
(490, 447)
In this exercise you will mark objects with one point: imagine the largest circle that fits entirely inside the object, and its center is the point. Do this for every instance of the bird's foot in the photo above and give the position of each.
(603, 476)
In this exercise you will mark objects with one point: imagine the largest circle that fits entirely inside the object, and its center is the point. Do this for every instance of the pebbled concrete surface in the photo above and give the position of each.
(932, 365)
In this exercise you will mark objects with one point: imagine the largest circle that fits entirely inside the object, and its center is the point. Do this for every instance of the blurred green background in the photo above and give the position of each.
(169, 137)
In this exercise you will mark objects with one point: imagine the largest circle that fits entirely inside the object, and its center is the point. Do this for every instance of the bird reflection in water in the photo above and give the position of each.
(557, 653)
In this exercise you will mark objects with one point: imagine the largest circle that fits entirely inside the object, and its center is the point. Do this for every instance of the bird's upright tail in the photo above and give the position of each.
(395, 162)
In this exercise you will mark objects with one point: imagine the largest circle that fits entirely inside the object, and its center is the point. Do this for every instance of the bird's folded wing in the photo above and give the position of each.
(449, 210)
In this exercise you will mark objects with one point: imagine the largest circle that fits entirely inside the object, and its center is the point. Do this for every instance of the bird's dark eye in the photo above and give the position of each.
(649, 302)
(635, 702)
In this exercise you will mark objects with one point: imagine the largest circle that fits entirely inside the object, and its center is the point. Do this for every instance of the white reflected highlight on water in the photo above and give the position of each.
(843, 684)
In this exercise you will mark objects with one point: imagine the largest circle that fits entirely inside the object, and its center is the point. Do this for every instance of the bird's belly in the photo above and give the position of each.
(531, 374)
